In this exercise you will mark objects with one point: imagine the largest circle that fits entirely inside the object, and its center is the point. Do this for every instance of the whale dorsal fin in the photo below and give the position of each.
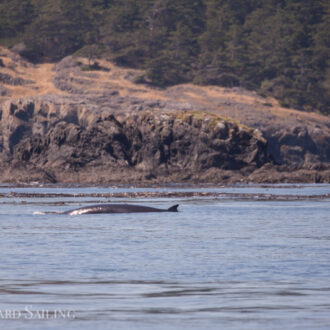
(173, 208)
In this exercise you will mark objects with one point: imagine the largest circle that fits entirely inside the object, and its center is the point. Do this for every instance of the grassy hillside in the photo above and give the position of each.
(278, 48)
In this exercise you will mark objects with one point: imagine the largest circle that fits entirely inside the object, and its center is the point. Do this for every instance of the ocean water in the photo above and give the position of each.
(233, 260)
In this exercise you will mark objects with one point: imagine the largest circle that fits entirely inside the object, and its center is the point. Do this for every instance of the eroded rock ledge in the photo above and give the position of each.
(40, 143)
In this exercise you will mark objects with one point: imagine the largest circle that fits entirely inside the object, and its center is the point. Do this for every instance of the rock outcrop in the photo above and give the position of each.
(70, 145)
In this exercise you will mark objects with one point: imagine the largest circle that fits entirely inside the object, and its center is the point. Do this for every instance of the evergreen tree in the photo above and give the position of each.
(15, 15)
(277, 47)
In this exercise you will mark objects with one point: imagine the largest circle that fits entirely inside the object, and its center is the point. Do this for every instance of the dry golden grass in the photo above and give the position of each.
(223, 101)
(41, 76)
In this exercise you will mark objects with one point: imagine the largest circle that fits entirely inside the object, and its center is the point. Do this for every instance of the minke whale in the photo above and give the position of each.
(118, 208)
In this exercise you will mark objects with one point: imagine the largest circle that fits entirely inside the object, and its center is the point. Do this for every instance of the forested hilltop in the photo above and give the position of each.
(277, 47)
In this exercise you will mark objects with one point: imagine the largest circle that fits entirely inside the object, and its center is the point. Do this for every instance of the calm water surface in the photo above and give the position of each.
(218, 263)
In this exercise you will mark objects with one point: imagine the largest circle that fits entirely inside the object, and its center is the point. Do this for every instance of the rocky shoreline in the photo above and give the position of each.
(167, 194)
(126, 147)
(40, 144)
(102, 135)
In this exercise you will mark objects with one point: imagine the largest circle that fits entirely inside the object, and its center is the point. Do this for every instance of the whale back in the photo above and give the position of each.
(118, 208)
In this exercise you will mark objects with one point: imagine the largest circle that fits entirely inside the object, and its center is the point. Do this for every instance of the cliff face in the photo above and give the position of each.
(141, 145)
(59, 123)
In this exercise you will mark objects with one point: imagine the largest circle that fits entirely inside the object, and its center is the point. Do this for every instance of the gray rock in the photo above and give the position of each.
(144, 145)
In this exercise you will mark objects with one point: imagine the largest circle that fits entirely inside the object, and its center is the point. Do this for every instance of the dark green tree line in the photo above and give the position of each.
(277, 47)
